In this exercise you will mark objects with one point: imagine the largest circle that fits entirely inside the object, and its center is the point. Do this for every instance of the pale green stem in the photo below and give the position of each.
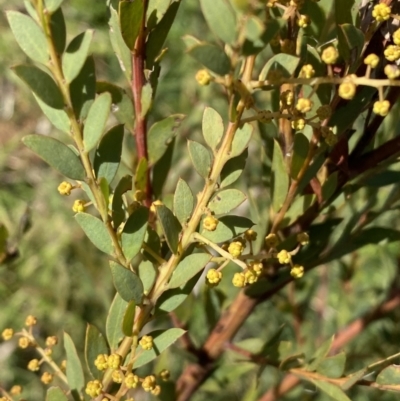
(198, 237)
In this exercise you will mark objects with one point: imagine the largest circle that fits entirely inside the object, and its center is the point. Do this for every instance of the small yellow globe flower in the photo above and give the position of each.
(51, 341)
(297, 271)
(381, 12)
(239, 280)
(16, 390)
(24, 342)
(156, 390)
(396, 37)
(101, 362)
(235, 248)
(372, 60)
(94, 388)
(65, 188)
(298, 124)
(30, 320)
(304, 105)
(213, 277)
(47, 378)
(131, 380)
(146, 342)
(250, 235)
(117, 376)
(250, 276)
(347, 90)
(114, 361)
(7, 334)
(79, 206)
(392, 71)
(149, 383)
(307, 71)
(381, 108)
(34, 365)
(329, 55)
(203, 77)
(284, 257)
(165, 375)
(392, 52)
(210, 223)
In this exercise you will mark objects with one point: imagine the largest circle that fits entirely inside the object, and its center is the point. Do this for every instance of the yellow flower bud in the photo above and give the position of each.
(392, 52)
(65, 188)
(34, 365)
(46, 378)
(371, 60)
(24, 342)
(117, 376)
(7, 334)
(329, 55)
(235, 248)
(30, 320)
(146, 342)
(93, 388)
(307, 71)
(78, 206)
(304, 105)
(51, 341)
(347, 90)
(331, 138)
(203, 77)
(396, 37)
(156, 390)
(381, 12)
(298, 124)
(210, 223)
(213, 277)
(392, 71)
(149, 383)
(131, 380)
(16, 390)
(284, 257)
(114, 361)
(101, 362)
(250, 235)
(250, 277)
(239, 280)
(297, 271)
(382, 108)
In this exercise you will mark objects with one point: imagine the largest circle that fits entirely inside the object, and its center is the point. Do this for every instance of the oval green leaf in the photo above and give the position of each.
(108, 154)
(75, 56)
(75, 376)
(95, 344)
(96, 231)
(389, 376)
(220, 18)
(161, 134)
(57, 155)
(233, 169)
(41, 84)
(284, 63)
(114, 322)
(170, 226)
(119, 46)
(212, 57)
(162, 339)
(188, 268)
(118, 212)
(147, 274)
(213, 128)
(96, 121)
(130, 20)
(183, 201)
(57, 117)
(134, 231)
(226, 200)
(53, 5)
(29, 36)
(201, 158)
(127, 283)
(241, 140)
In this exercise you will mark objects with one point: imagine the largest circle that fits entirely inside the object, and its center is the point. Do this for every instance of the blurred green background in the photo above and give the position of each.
(59, 277)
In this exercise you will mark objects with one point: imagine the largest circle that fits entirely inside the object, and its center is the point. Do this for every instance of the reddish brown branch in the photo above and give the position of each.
(137, 84)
